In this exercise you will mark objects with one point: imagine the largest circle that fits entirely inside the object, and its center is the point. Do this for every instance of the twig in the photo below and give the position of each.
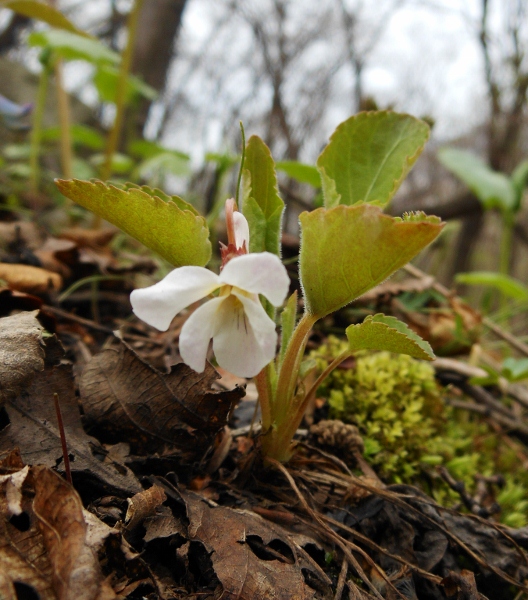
(71, 317)
(62, 433)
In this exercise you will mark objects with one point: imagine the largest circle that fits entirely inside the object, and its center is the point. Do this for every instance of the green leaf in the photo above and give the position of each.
(156, 167)
(288, 320)
(180, 203)
(106, 81)
(72, 46)
(301, 172)
(519, 179)
(380, 332)
(509, 286)
(368, 157)
(494, 190)
(347, 250)
(262, 206)
(81, 135)
(515, 369)
(177, 235)
(148, 149)
(41, 12)
(121, 163)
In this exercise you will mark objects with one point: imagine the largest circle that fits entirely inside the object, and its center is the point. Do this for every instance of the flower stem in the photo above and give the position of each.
(276, 442)
(264, 397)
(310, 394)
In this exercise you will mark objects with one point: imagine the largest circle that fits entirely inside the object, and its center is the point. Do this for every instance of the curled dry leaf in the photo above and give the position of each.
(32, 280)
(21, 353)
(124, 399)
(23, 557)
(59, 511)
(143, 505)
(12, 484)
(251, 557)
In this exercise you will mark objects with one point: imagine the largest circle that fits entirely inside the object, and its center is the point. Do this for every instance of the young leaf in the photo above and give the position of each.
(177, 235)
(288, 319)
(513, 288)
(41, 12)
(368, 157)
(73, 46)
(106, 81)
(301, 172)
(494, 190)
(380, 332)
(262, 206)
(347, 250)
(515, 369)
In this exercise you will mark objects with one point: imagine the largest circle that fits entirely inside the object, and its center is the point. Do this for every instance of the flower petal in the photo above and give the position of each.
(258, 273)
(197, 331)
(245, 340)
(158, 304)
(241, 230)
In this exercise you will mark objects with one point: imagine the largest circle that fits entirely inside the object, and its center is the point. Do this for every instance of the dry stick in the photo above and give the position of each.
(62, 433)
(498, 331)
(337, 539)
(71, 317)
(400, 500)
(341, 581)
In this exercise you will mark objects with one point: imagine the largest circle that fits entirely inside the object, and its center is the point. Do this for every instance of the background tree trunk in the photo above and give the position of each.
(154, 49)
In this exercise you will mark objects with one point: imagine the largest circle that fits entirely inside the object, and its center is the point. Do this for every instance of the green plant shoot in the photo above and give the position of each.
(347, 248)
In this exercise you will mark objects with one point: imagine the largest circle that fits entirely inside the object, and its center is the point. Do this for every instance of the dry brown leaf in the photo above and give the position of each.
(450, 330)
(393, 288)
(23, 557)
(12, 484)
(89, 238)
(32, 280)
(21, 353)
(143, 505)
(251, 557)
(125, 399)
(33, 422)
(75, 570)
(58, 256)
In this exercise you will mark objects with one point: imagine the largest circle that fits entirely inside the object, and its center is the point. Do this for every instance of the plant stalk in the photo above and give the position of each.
(63, 105)
(36, 129)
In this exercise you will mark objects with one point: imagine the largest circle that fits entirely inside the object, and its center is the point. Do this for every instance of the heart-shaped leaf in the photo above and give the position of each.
(180, 236)
(262, 206)
(379, 332)
(368, 157)
(347, 250)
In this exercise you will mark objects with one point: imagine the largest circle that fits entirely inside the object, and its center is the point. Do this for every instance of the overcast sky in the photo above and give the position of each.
(427, 62)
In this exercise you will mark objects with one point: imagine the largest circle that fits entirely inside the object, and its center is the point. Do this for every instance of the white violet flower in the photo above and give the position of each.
(244, 336)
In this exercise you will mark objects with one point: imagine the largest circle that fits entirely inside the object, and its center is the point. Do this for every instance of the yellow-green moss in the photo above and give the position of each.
(408, 430)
